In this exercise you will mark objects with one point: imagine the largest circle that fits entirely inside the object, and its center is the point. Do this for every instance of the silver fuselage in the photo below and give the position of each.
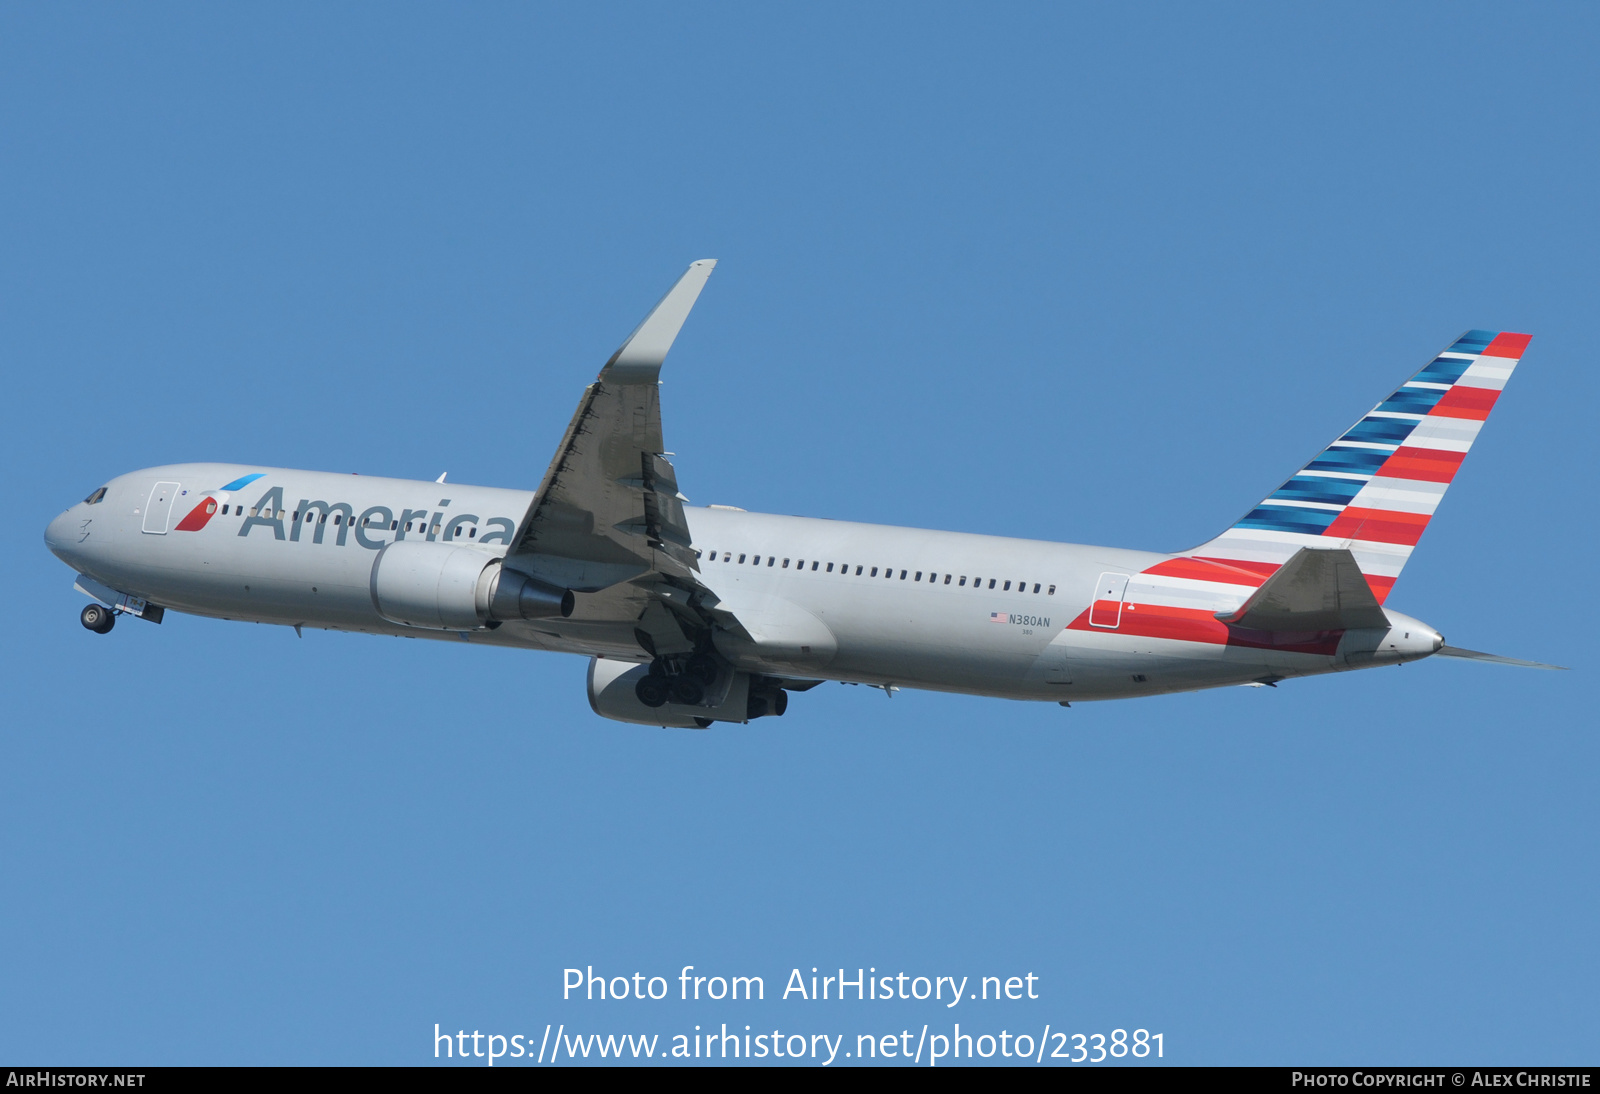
(946, 611)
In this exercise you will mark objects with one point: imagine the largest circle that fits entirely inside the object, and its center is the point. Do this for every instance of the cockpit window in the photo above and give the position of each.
(95, 497)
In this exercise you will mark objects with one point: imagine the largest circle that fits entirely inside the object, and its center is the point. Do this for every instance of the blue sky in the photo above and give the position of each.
(1082, 273)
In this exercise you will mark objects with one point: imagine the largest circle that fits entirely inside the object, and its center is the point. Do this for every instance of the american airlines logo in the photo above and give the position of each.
(373, 526)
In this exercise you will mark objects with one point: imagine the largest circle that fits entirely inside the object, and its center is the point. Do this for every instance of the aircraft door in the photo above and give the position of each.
(1106, 611)
(159, 508)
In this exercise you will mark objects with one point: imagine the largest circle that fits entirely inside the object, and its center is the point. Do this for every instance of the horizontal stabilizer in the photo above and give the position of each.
(1495, 659)
(1316, 590)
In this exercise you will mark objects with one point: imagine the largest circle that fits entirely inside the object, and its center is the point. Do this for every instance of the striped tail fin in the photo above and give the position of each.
(1374, 489)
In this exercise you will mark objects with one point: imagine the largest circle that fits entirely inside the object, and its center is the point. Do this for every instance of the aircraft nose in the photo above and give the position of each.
(59, 538)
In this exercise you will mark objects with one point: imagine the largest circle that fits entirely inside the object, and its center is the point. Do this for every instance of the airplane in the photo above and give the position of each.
(695, 615)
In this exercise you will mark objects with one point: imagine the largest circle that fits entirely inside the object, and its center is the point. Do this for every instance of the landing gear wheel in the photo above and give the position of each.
(651, 690)
(97, 618)
(703, 667)
(687, 690)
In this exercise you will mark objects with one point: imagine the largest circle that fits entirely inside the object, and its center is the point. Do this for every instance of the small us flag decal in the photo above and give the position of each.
(999, 617)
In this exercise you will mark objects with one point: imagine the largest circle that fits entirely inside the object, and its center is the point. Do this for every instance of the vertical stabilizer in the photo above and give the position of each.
(1374, 489)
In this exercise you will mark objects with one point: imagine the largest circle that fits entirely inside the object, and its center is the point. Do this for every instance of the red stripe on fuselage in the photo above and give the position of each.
(198, 516)
(1209, 569)
(1233, 573)
(1200, 625)
(1265, 569)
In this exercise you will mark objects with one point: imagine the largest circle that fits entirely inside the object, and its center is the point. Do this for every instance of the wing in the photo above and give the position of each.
(607, 521)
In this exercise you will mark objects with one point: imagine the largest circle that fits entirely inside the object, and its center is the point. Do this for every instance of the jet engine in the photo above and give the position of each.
(613, 693)
(443, 587)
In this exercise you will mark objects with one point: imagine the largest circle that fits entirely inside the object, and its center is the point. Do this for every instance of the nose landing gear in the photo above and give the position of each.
(98, 618)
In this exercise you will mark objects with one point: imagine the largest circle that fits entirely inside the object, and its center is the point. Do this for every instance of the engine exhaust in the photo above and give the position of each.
(512, 595)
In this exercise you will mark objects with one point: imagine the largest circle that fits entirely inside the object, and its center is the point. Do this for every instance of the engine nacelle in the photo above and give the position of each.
(438, 586)
(612, 695)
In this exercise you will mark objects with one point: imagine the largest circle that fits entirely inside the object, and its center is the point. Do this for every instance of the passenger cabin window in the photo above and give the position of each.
(814, 567)
(773, 558)
(741, 560)
(991, 583)
(1007, 588)
(1035, 586)
(947, 579)
(785, 564)
(830, 567)
(713, 556)
(858, 571)
(963, 581)
(1052, 591)
(874, 571)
